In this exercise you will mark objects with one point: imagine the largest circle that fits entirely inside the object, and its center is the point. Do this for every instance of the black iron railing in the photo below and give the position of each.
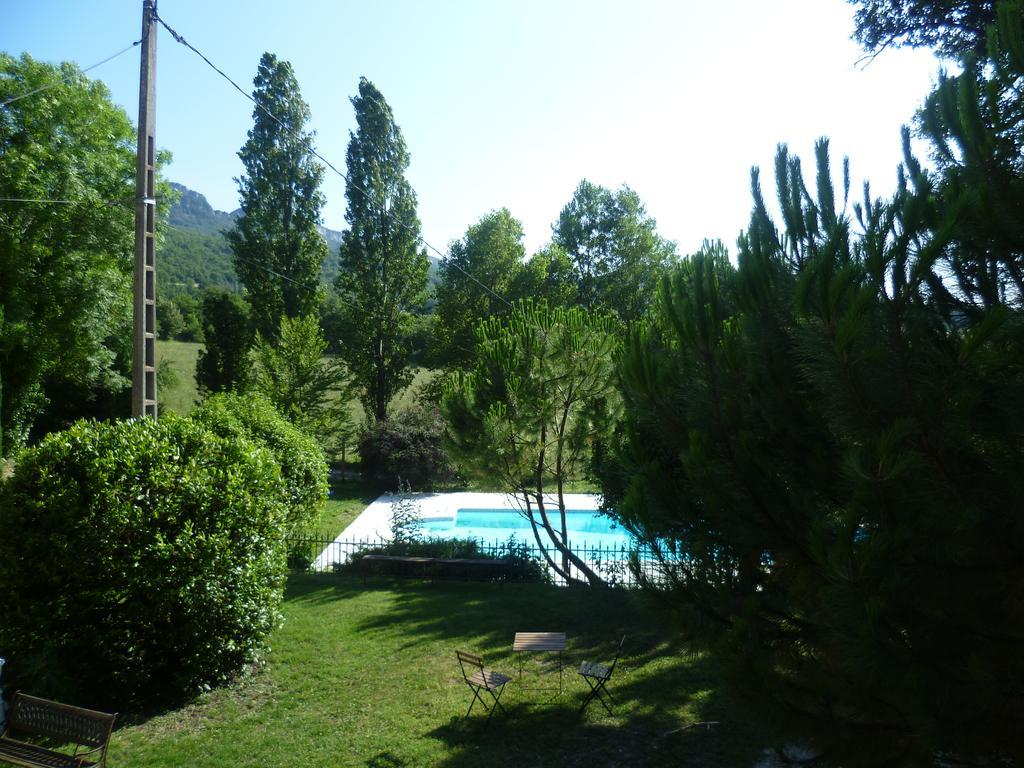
(624, 566)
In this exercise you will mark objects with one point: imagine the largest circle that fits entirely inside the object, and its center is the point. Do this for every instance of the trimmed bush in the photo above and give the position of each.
(140, 561)
(406, 450)
(302, 461)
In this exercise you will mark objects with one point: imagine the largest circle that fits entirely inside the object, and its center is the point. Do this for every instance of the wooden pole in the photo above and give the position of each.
(144, 314)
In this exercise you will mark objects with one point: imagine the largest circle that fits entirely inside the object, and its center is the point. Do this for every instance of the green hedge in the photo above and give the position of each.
(302, 461)
(522, 567)
(140, 561)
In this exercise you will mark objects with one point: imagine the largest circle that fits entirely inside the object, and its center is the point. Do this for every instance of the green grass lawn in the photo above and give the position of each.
(367, 677)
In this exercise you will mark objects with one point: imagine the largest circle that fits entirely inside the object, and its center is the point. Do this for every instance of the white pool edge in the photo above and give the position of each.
(374, 522)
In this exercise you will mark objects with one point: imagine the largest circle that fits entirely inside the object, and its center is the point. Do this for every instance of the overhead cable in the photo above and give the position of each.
(69, 78)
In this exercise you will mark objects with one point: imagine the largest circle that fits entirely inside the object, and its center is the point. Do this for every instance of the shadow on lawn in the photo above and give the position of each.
(486, 616)
(660, 685)
(558, 736)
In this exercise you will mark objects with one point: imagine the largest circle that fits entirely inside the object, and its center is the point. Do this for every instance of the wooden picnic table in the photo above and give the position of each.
(540, 642)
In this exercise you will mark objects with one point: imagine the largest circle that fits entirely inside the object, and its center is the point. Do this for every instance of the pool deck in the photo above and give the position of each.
(374, 522)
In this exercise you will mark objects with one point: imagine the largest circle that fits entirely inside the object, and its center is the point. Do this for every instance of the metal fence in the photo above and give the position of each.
(319, 555)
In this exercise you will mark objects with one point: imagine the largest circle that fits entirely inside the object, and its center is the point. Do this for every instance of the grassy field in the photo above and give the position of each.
(367, 677)
(181, 395)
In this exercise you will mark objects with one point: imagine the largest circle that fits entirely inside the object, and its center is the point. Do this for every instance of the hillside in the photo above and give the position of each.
(194, 254)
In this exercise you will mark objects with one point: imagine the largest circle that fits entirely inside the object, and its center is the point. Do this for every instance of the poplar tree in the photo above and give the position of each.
(383, 277)
(278, 250)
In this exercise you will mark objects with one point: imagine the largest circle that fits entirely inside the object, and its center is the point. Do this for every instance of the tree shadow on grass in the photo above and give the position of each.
(661, 684)
(320, 588)
(386, 760)
(559, 736)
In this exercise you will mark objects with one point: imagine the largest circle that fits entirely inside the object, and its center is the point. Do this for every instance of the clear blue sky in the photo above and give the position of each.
(512, 103)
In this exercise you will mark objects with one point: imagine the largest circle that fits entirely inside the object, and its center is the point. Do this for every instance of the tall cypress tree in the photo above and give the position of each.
(278, 251)
(383, 275)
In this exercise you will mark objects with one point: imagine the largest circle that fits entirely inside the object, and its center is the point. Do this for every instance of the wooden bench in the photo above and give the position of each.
(39, 718)
(433, 567)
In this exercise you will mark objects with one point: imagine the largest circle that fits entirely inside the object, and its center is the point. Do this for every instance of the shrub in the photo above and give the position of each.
(303, 466)
(406, 520)
(406, 449)
(140, 561)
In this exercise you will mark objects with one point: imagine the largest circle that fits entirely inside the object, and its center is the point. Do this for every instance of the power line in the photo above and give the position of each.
(69, 78)
(80, 201)
(127, 202)
(39, 200)
(320, 157)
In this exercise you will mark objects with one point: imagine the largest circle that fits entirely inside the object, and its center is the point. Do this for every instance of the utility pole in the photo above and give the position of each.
(144, 327)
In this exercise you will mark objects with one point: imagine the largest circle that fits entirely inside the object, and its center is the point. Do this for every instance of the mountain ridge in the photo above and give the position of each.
(195, 255)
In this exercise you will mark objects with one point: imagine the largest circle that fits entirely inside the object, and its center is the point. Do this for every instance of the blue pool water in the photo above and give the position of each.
(586, 527)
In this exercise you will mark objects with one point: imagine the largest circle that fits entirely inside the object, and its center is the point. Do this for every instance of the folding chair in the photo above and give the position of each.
(480, 679)
(597, 677)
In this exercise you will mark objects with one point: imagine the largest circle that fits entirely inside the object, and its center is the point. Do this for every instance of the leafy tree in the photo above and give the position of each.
(821, 442)
(223, 364)
(952, 27)
(383, 276)
(278, 251)
(333, 319)
(524, 412)
(491, 253)
(614, 247)
(65, 296)
(549, 275)
(191, 314)
(171, 321)
(308, 389)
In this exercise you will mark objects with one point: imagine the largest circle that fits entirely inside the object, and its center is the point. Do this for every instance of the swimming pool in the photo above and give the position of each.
(586, 527)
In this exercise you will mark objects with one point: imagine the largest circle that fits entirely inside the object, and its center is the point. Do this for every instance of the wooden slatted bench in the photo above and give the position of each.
(432, 567)
(33, 717)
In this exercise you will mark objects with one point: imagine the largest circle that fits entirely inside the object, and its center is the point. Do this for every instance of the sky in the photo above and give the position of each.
(511, 103)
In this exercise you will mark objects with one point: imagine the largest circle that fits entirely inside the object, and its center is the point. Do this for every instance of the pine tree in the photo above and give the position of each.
(825, 446)
(383, 276)
(524, 413)
(278, 251)
(953, 27)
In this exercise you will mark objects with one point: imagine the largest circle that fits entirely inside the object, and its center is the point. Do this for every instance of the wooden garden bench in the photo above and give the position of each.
(33, 717)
